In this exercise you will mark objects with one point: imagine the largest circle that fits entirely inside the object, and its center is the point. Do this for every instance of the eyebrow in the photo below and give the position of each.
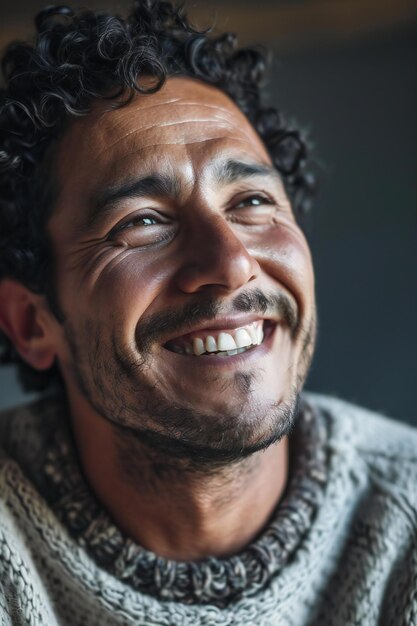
(158, 185)
(155, 185)
(231, 171)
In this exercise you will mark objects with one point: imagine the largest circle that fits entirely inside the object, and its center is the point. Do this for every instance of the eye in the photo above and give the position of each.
(138, 220)
(254, 201)
(142, 229)
(252, 210)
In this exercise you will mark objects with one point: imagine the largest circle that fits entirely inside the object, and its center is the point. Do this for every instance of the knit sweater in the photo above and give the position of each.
(340, 549)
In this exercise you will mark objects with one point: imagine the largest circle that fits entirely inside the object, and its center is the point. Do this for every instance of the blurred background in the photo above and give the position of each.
(346, 71)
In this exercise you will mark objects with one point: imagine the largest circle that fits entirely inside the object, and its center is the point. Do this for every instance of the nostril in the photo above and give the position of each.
(227, 277)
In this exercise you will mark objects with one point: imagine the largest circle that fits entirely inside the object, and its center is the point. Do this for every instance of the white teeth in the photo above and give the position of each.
(260, 334)
(226, 342)
(253, 333)
(198, 346)
(211, 344)
(243, 338)
(232, 352)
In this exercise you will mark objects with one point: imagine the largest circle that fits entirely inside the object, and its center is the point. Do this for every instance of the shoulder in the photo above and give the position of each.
(26, 430)
(371, 498)
(24, 435)
(385, 446)
(374, 432)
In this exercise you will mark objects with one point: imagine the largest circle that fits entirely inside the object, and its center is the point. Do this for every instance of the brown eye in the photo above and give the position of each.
(253, 201)
(140, 222)
(147, 221)
(137, 221)
(256, 209)
(142, 230)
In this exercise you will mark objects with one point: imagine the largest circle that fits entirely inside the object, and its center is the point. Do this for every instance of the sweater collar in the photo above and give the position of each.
(212, 580)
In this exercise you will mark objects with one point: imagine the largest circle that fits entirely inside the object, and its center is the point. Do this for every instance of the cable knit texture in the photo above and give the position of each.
(340, 549)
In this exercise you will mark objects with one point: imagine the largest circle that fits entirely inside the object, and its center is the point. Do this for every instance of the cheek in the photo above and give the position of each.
(119, 290)
(286, 256)
(130, 288)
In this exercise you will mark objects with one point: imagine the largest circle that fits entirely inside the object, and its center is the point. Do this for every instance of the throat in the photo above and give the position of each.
(184, 515)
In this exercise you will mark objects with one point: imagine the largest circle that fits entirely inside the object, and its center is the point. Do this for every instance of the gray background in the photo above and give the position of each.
(347, 72)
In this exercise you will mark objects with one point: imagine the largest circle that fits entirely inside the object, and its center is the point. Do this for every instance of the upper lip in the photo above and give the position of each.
(224, 323)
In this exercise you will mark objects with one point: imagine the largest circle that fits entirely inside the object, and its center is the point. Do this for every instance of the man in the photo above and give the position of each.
(155, 282)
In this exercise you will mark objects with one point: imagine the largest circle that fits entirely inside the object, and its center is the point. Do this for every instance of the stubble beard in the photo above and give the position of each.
(111, 378)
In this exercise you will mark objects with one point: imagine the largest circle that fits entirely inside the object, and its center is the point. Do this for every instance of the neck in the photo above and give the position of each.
(177, 511)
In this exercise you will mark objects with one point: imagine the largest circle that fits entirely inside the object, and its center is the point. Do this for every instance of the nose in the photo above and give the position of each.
(215, 257)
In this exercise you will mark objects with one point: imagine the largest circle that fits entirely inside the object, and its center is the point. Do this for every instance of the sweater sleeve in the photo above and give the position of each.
(19, 602)
(23, 601)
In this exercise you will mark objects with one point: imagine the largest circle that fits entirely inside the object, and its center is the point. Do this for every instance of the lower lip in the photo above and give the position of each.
(214, 360)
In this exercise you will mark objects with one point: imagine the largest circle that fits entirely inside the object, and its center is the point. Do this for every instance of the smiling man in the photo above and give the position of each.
(156, 285)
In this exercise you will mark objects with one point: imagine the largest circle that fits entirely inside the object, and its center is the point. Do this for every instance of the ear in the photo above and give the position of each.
(24, 319)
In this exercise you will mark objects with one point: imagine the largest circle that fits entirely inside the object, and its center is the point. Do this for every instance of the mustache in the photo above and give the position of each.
(168, 323)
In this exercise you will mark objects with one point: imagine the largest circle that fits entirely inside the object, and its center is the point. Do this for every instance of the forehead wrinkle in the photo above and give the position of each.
(121, 123)
(176, 143)
(158, 125)
(177, 102)
(228, 113)
(173, 101)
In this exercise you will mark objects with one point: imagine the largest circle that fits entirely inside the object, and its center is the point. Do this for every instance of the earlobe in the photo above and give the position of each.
(23, 321)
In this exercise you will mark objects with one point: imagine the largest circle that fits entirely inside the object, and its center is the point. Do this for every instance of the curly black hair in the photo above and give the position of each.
(77, 57)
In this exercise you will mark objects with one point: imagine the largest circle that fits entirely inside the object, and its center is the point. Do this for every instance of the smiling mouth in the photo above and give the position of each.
(222, 342)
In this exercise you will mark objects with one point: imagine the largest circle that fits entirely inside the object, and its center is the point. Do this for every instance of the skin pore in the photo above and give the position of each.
(172, 222)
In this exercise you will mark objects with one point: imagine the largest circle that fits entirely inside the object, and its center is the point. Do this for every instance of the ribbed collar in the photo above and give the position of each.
(215, 581)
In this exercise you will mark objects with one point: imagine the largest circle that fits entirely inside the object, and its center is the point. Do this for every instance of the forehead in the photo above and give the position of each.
(183, 125)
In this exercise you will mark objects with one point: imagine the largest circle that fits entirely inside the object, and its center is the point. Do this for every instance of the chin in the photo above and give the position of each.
(225, 430)
(204, 441)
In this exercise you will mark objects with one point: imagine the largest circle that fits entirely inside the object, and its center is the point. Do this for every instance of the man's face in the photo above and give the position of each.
(176, 245)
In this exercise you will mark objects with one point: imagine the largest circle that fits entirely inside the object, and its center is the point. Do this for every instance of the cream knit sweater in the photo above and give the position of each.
(341, 549)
